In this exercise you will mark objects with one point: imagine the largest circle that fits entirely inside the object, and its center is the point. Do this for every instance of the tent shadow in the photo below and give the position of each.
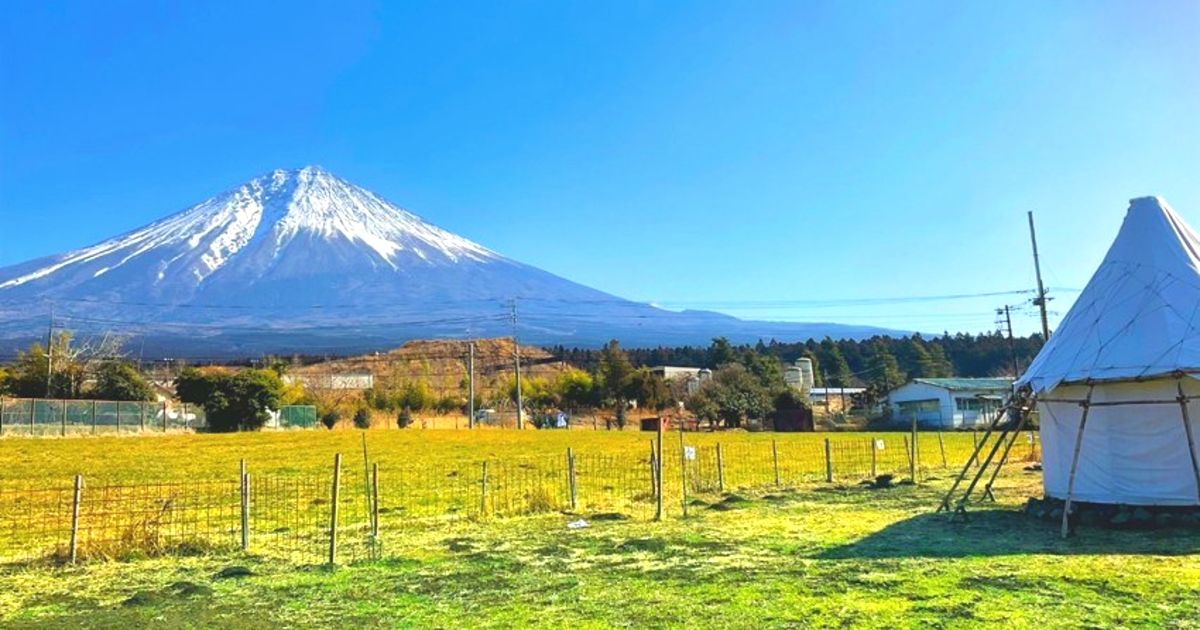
(1005, 532)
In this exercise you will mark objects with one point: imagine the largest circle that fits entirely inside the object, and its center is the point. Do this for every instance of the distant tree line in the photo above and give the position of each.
(879, 362)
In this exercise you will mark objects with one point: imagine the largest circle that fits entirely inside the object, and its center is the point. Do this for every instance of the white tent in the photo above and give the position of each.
(1116, 385)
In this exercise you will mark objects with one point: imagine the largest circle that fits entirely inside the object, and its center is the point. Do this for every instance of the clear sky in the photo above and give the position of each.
(773, 160)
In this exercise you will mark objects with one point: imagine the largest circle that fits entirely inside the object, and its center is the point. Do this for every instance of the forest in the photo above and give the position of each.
(879, 362)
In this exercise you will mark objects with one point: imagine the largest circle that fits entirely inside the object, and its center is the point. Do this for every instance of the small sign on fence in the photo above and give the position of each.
(689, 452)
(879, 444)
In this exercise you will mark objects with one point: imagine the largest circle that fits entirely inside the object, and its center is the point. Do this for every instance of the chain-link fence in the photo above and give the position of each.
(46, 417)
(352, 510)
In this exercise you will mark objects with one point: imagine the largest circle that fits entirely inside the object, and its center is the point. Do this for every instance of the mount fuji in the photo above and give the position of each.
(302, 261)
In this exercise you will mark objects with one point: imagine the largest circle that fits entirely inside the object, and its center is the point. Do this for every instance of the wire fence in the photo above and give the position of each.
(47, 417)
(352, 511)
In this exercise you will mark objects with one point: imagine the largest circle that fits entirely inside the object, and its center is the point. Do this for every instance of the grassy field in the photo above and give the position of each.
(157, 458)
(814, 555)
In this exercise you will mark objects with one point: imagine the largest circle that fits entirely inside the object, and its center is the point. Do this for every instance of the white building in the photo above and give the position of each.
(692, 376)
(333, 381)
(949, 403)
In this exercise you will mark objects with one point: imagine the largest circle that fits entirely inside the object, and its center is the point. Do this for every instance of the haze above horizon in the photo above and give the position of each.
(836, 162)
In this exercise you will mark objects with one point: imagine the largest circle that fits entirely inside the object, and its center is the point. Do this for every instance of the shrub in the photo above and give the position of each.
(404, 418)
(362, 418)
(330, 418)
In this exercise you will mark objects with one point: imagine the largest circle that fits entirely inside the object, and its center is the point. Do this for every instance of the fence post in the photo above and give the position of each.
(682, 472)
(63, 419)
(911, 463)
(375, 500)
(942, 448)
(142, 417)
(483, 491)
(73, 551)
(1, 415)
(333, 508)
(118, 418)
(828, 462)
(571, 477)
(653, 472)
(93, 416)
(658, 462)
(164, 415)
(874, 458)
(245, 489)
(720, 469)
(32, 415)
(775, 459)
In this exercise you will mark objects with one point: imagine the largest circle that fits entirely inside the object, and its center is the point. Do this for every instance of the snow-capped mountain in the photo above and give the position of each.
(302, 260)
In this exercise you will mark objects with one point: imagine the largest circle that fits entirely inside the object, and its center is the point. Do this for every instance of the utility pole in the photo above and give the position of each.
(471, 385)
(1040, 300)
(517, 362)
(50, 350)
(1012, 348)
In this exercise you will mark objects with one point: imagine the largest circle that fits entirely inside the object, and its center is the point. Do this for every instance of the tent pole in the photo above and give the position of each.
(1087, 405)
(1191, 442)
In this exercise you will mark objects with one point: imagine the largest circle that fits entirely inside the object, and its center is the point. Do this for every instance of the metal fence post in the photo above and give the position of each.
(32, 415)
(118, 418)
(658, 467)
(1, 415)
(333, 508)
(828, 462)
(142, 417)
(63, 419)
(720, 470)
(73, 550)
(775, 459)
(164, 415)
(571, 477)
(245, 488)
(93, 416)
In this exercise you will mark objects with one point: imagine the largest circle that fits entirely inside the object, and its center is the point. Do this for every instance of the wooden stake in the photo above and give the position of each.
(720, 470)
(571, 477)
(245, 487)
(682, 472)
(942, 448)
(658, 458)
(775, 459)
(483, 491)
(333, 508)
(1066, 528)
(828, 462)
(73, 551)
(375, 500)
(874, 458)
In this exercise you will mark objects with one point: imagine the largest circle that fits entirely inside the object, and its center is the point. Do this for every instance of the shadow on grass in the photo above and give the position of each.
(1001, 532)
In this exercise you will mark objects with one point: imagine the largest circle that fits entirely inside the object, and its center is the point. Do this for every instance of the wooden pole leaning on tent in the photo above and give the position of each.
(960, 508)
(1187, 429)
(987, 488)
(945, 504)
(1087, 405)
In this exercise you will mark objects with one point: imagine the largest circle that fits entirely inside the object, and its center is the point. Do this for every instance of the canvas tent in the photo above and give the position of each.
(1116, 385)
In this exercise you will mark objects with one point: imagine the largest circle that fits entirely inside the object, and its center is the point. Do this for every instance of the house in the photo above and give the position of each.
(333, 381)
(691, 376)
(949, 403)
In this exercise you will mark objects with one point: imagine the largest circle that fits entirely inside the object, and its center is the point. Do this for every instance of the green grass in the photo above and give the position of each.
(813, 556)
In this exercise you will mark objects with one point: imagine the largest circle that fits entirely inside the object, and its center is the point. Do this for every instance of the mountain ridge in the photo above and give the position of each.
(274, 263)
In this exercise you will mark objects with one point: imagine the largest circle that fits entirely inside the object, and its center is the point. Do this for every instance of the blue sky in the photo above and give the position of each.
(775, 160)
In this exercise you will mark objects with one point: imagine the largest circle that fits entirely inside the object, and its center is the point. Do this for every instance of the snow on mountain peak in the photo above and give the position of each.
(252, 226)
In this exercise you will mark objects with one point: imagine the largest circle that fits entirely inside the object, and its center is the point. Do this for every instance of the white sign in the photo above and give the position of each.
(879, 444)
(689, 452)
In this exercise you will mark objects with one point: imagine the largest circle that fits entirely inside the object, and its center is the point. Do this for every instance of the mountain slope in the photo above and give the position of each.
(302, 260)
